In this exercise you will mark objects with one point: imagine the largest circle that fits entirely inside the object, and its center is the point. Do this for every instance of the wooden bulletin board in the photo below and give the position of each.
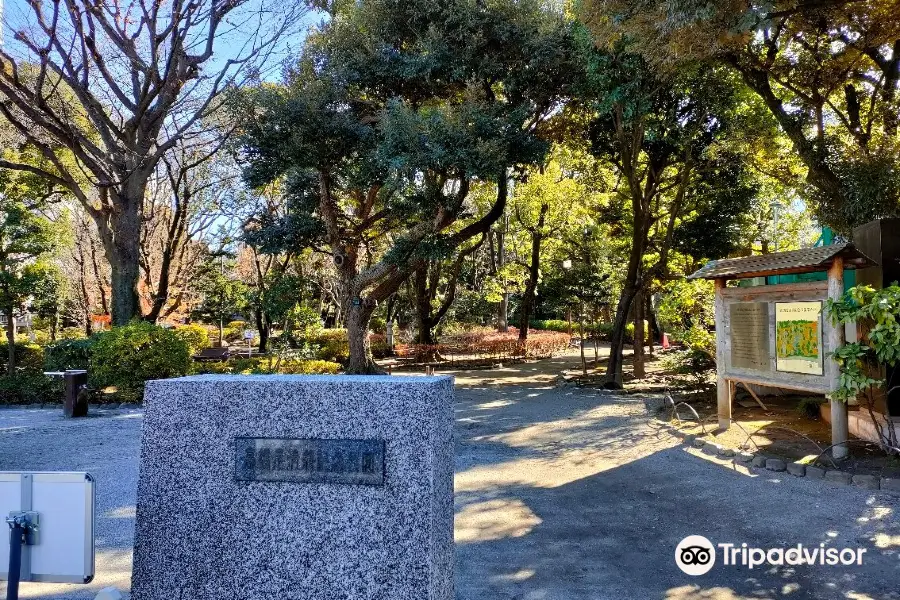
(777, 336)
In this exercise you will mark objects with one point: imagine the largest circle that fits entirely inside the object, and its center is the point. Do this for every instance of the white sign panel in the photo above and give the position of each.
(64, 552)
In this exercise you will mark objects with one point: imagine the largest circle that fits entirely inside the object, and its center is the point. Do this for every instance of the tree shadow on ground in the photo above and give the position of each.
(534, 524)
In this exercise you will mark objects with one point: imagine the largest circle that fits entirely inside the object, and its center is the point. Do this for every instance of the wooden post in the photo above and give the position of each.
(722, 392)
(840, 432)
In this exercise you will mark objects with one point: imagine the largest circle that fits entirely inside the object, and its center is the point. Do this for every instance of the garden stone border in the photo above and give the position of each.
(760, 463)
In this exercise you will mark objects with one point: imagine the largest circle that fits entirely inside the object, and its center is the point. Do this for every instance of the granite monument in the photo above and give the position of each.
(300, 487)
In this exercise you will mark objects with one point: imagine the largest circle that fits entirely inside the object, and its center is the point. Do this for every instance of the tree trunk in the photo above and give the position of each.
(654, 335)
(11, 340)
(639, 336)
(263, 325)
(357, 317)
(581, 337)
(221, 333)
(424, 318)
(534, 272)
(503, 305)
(630, 289)
(617, 338)
(121, 240)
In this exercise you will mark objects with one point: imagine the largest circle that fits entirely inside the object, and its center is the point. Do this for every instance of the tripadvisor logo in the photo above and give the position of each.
(696, 555)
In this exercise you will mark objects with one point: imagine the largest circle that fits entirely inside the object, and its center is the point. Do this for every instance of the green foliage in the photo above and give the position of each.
(29, 357)
(223, 297)
(881, 344)
(379, 345)
(125, 357)
(392, 114)
(196, 336)
(689, 362)
(268, 366)
(796, 57)
(71, 333)
(307, 321)
(49, 294)
(554, 325)
(684, 304)
(30, 388)
(333, 345)
(700, 339)
(68, 354)
(232, 335)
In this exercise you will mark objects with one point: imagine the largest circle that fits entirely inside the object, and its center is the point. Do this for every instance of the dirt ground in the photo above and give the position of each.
(780, 430)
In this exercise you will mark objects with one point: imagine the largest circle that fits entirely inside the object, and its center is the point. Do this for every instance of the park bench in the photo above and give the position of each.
(213, 355)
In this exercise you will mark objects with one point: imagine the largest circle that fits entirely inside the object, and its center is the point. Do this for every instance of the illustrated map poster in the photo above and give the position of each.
(749, 329)
(798, 338)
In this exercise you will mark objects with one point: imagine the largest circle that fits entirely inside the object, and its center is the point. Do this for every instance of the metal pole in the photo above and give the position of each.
(16, 539)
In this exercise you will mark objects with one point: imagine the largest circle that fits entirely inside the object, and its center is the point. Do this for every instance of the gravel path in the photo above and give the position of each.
(561, 494)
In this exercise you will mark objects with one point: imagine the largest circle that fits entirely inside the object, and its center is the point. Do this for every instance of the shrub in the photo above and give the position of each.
(36, 336)
(68, 354)
(213, 368)
(695, 363)
(602, 331)
(554, 325)
(309, 367)
(700, 339)
(241, 325)
(71, 333)
(333, 345)
(232, 334)
(267, 366)
(486, 342)
(125, 357)
(379, 345)
(29, 357)
(545, 345)
(30, 388)
(196, 336)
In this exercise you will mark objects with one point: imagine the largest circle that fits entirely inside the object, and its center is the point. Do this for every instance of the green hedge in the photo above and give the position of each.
(266, 366)
(68, 354)
(28, 385)
(29, 358)
(30, 388)
(196, 336)
(601, 330)
(125, 357)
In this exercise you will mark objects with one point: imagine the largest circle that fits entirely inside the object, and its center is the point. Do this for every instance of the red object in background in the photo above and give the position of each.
(665, 341)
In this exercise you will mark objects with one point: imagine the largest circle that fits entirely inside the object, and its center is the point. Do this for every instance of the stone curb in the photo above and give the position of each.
(890, 485)
(796, 469)
(775, 464)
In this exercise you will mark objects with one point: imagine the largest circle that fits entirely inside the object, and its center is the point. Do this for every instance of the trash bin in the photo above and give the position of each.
(76, 404)
(74, 381)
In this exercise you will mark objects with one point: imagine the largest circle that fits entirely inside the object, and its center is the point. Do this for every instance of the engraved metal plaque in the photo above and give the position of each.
(350, 462)
(749, 324)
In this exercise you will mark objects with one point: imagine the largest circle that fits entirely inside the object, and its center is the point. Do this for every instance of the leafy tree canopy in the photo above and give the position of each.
(829, 72)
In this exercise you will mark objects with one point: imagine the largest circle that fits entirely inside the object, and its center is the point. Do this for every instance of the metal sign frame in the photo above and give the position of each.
(53, 519)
